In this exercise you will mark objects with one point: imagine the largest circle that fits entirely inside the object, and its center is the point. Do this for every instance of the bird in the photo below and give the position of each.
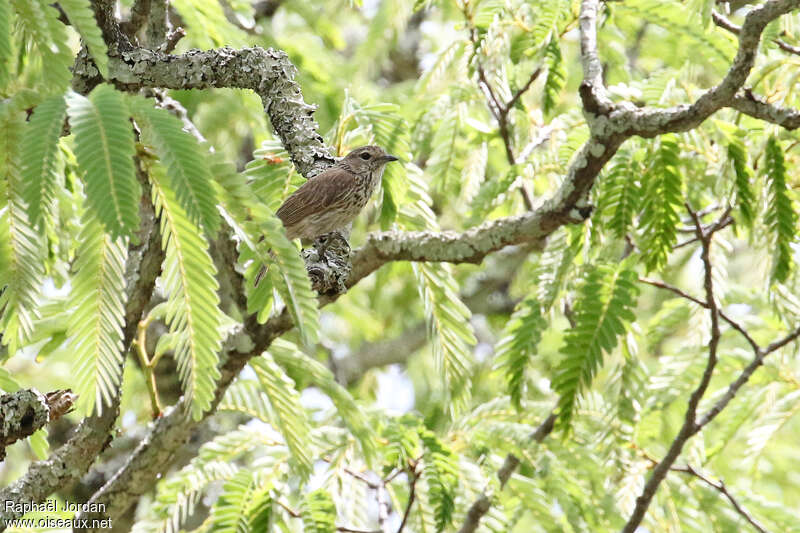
(334, 198)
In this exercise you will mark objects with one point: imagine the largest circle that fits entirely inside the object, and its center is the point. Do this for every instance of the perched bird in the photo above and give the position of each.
(333, 199)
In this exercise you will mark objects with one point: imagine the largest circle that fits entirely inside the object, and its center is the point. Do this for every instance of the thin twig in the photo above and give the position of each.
(690, 426)
(722, 489)
(726, 24)
(412, 484)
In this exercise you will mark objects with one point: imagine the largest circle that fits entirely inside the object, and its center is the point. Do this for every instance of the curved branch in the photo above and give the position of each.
(650, 122)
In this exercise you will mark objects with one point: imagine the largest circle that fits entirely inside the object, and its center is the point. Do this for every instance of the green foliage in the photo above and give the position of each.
(20, 243)
(556, 76)
(104, 150)
(290, 416)
(603, 306)
(230, 511)
(289, 356)
(442, 164)
(99, 314)
(620, 194)
(319, 513)
(780, 216)
(193, 314)
(290, 277)
(662, 201)
(448, 326)
(40, 156)
(491, 193)
(441, 471)
(48, 37)
(81, 17)
(675, 17)
(745, 198)
(5, 42)
(517, 345)
(187, 168)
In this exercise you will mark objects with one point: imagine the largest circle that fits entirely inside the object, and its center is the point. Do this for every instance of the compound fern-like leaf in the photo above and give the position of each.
(603, 306)
(517, 345)
(290, 356)
(319, 513)
(104, 149)
(745, 199)
(662, 201)
(186, 162)
(285, 400)
(21, 246)
(98, 290)
(193, 314)
(81, 17)
(40, 154)
(780, 215)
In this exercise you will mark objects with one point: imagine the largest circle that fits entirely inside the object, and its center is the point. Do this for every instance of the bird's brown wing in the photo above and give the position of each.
(316, 195)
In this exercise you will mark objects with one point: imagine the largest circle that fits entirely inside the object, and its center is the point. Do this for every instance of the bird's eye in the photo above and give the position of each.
(365, 156)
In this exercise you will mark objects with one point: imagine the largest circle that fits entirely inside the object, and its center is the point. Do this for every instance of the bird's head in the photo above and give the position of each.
(367, 158)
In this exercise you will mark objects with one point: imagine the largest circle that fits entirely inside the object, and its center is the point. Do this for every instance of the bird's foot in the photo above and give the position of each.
(328, 263)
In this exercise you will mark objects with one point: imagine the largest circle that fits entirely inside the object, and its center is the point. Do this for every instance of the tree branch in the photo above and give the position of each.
(25, 411)
(690, 426)
(650, 122)
(756, 107)
(726, 24)
(481, 506)
(722, 489)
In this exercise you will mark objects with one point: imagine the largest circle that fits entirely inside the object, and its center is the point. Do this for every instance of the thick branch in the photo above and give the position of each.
(268, 73)
(25, 411)
(755, 106)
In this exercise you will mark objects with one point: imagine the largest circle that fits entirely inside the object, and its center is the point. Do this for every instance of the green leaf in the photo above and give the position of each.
(319, 513)
(39, 444)
(290, 277)
(193, 314)
(663, 198)
(104, 149)
(745, 199)
(81, 17)
(620, 194)
(5, 41)
(556, 76)
(21, 246)
(177, 496)
(449, 327)
(290, 356)
(285, 400)
(230, 511)
(491, 193)
(185, 159)
(441, 471)
(780, 214)
(40, 23)
(517, 345)
(442, 164)
(604, 304)
(40, 153)
(95, 324)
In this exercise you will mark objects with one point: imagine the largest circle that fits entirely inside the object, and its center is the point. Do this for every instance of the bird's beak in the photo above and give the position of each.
(389, 158)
